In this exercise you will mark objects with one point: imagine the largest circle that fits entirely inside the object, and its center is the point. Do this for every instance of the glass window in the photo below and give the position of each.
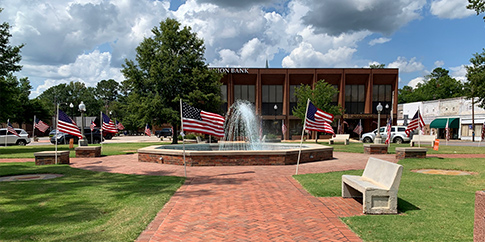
(354, 99)
(293, 93)
(244, 92)
(224, 93)
(3, 132)
(272, 95)
(401, 129)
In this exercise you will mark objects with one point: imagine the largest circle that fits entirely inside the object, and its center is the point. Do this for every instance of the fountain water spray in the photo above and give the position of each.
(242, 128)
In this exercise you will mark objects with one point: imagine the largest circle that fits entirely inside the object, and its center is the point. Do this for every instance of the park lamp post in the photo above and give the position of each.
(71, 106)
(82, 109)
(378, 138)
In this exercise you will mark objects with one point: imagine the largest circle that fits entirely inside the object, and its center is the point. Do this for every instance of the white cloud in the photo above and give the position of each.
(439, 63)
(306, 56)
(459, 73)
(450, 9)
(381, 40)
(414, 82)
(406, 66)
(87, 68)
(382, 16)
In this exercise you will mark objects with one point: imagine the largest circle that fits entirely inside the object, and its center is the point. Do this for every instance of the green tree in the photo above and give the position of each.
(169, 66)
(107, 91)
(10, 86)
(477, 5)
(321, 96)
(377, 66)
(74, 93)
(437, 85)
(476, 78)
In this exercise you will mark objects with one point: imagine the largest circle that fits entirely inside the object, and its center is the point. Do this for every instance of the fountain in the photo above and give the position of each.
(241, 145)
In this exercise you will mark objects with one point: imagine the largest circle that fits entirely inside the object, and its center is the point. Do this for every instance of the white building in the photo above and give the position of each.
(457, 112)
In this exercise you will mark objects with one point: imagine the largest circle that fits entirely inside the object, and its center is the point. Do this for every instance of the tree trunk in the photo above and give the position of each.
(175, 134)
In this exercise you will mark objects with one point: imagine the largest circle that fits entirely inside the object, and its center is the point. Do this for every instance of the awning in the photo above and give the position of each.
(440, 123)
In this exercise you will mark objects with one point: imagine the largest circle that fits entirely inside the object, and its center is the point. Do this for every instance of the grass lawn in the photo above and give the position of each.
(443, 149)
(80, 206)
(432, 207)
(16, 151)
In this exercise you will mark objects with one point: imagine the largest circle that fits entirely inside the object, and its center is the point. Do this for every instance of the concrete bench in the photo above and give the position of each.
(423, 139)
(373, 149)
(88, 151)
(340, 138)
(49, 157)
(410, 152)
(377, 186)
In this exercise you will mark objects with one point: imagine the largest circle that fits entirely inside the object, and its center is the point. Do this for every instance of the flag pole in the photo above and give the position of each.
(183, 136)
(419, 126)
(302, 133)
(57, 127)
(360, 133)
(101, 129)
(8, 121)
(33, 128)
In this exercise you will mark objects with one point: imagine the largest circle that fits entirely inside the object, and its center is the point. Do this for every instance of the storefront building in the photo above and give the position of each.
(461, 115)
(272, 92)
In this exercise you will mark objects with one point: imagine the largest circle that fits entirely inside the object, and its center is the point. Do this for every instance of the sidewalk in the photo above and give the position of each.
(243, 203)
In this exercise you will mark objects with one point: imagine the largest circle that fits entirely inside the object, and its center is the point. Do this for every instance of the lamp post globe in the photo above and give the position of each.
(82, 109)
(378, 138)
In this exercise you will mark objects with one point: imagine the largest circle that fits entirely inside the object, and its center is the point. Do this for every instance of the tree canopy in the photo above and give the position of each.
(168, 67)
(14, 92)
(477, 5)
(476, 77)
(437, 85)
(321, 96)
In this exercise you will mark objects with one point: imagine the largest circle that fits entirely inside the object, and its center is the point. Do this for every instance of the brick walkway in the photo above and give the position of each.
(243, 203)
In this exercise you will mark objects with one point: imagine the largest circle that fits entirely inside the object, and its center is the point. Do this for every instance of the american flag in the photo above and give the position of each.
(67, 125)
(447, 128)
(327, 128)
(198, 121)
(147, 130)
(389, 129)
(358, 129)
(283, 127)
(40, 125)
(317, 120)
(416, 122)
(108, 125)
(11, 129)
(92, 126)
(119, 126)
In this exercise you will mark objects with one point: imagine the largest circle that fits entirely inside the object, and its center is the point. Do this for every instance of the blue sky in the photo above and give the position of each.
(88, 40)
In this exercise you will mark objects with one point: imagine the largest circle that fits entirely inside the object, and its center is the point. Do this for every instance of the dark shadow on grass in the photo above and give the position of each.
(404, 206)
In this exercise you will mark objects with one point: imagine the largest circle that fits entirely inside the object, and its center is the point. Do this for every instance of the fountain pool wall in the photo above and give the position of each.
(210, 155)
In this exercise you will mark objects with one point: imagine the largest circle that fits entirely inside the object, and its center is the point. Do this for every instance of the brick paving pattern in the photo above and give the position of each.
(244, 203)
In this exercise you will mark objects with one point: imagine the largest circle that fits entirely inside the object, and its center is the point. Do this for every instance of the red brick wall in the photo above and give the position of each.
(237, 160)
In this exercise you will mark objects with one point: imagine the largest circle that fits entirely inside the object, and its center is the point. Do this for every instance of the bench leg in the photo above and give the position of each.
(380, 203)
(348, 191)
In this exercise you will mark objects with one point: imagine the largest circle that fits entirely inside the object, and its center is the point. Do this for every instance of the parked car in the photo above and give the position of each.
(397, 135)
(13, 139)
(63, 138)
(165, 132)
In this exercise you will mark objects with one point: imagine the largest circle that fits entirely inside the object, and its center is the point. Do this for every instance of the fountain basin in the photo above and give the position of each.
(210, 155)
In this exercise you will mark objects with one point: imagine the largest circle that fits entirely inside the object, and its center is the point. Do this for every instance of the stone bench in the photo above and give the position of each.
(377, 186)
(410, 152)
(340, 138)
(373, 149)
(49, 157)
(88, 151)
(420, 139)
